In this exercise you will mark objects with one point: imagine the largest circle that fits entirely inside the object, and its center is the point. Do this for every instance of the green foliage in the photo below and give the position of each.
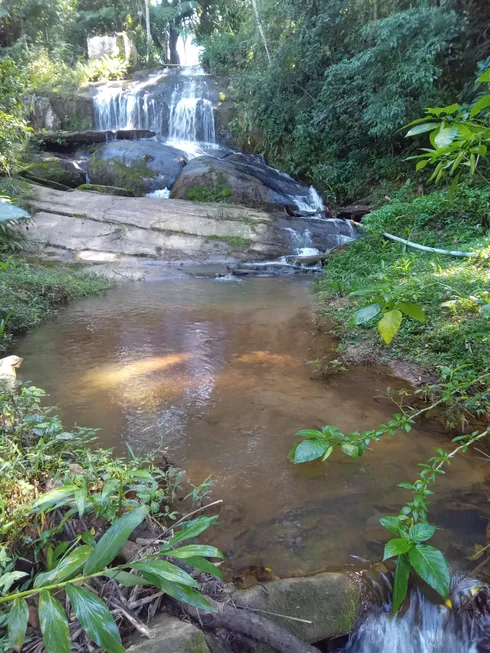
(11, 217)
(217, 193)
(393, 309)
(459, 136)
(451, 292)
(342, 81)
(37, 453)
(13, 115)
(29, 293)
(104, 69)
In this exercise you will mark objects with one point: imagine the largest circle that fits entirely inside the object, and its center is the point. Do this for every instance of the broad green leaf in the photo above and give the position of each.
(128, 580)
(181, 593)
(54, 624)
(113, 540)
(391, 523)
(422, 128)
(204, 565)
(8, 579)
(431, 565)
(95, 618)
(412, 310)
(57, 496)
(400, 585)
(192, 550)
(422, 532)
(484, 77)
(350, 449)
(17, 623)
(367, 313)
(164, 570)
(389, 325)
(66, 569)
(421, 164)
(309, 433)
(309, 450)
(446, 136)
(481, 104)
(396, 547)
(192, 529)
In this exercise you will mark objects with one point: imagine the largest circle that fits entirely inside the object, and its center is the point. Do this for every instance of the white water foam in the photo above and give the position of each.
(163, 194)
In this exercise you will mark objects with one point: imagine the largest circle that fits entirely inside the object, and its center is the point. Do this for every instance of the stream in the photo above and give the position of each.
(213, 373)
(210, 372)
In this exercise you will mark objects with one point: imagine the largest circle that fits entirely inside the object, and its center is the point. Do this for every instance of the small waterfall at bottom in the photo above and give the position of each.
(427, 627)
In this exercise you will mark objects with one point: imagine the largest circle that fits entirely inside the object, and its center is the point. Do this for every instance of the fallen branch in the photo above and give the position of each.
(425, 248)
(248, 623)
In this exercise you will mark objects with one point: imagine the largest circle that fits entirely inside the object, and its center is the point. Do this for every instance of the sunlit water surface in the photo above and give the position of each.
(215, 374)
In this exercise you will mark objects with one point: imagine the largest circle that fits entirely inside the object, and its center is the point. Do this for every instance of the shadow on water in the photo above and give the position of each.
(215, 373)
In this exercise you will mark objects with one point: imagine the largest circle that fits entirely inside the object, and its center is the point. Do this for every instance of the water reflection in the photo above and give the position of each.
(215, 373)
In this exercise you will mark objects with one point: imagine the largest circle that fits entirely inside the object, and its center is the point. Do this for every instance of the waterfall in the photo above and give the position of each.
(173, 105)
(426, 627)
(302, 242)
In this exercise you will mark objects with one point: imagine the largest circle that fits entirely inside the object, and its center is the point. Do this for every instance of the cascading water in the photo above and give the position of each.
(427, 627)
(173, 105)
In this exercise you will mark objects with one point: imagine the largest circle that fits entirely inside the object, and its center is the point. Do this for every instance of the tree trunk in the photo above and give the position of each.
(172, 42)
(248, 623)
(261, 29)
(148, 29)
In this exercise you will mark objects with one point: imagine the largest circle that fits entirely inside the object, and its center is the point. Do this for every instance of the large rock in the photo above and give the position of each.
(172, 230)
(243, 181)
(141, 166)
(112, 45)
(60, 111)
(63, 141)
(331, 601)
(171, 635)
(50, 168)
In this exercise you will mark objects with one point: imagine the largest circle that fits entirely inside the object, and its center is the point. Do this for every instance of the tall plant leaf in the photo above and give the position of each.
(192, 550)
(164, 570)
(17, 623)
(192, 529)
(204, 565)
(54, 624)
(431, 565)
(113, 540)
(309, 450)
(412, 310)
(181, 593)
(400, 585)
(95, 618)
(365, 314)
(67, 568)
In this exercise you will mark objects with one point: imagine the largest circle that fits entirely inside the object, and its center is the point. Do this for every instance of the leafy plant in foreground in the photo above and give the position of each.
(391, 307)
(459, 136)
(75, 571)
(411, 526)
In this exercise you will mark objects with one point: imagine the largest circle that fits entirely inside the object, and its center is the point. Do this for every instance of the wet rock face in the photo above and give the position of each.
(243, 181)
(140, 166)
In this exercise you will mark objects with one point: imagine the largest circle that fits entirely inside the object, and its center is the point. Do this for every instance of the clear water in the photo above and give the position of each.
(214, 373)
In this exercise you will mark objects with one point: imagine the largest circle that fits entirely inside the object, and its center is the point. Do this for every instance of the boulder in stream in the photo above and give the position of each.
(236, 179)
(140, 166)
(331, 601)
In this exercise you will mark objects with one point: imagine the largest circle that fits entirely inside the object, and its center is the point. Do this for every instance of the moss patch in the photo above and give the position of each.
(107, 190)
(217, 193)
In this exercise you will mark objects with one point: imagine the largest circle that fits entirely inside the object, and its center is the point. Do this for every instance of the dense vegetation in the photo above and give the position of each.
(342, 79)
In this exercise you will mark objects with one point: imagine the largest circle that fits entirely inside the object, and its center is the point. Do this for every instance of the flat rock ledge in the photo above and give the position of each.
(168, 230)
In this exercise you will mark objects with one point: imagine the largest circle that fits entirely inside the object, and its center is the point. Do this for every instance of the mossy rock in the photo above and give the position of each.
(171, 636)
(107, 190)
(331, 601)
(52, 169)
(43, 182)
(140, 166)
